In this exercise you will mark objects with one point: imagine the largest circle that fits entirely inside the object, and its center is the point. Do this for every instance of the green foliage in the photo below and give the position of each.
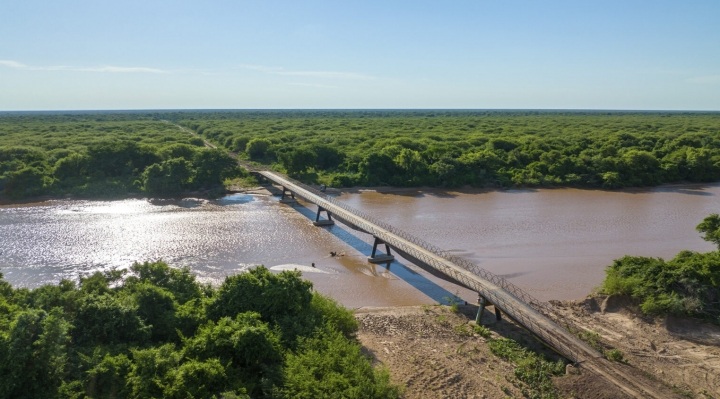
(169, 177)
(105, 319)
(258, 149)
(151, 369)
(281, 299)
(246, 341)
(478, 148)
(116, 154)
(591, 338)
(178, 281)
(156, 307)
(105, 155)
(614, 355)
(107, 375)
(329, 366)
(530, 368)
(689, 284)
(327, 311)
(297, 160)
(33, 354)
(710, 227)
(26, 182)
(482, 331)
(147, 333)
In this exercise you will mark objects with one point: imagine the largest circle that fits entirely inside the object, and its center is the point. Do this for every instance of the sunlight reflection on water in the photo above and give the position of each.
(67, 239)
(554, 243)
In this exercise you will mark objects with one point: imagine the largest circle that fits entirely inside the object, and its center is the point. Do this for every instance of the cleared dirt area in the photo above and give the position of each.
(430, 352)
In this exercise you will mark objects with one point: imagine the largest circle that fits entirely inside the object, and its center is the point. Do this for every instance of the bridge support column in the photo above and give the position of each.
(327, 222)
(386, 258)
(288, 197)
(481, 309)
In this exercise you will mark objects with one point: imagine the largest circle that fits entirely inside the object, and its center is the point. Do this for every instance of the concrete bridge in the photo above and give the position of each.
(536, 316)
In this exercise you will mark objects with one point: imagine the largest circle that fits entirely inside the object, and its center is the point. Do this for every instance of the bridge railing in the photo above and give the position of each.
(460, 261)
(368, 223)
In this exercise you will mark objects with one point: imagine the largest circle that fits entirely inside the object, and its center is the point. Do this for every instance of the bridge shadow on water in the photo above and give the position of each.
(397, 268)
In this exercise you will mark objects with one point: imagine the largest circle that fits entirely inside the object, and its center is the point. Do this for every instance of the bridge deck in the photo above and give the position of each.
(532, 314)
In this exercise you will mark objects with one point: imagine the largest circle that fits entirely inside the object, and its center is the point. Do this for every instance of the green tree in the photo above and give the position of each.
(327, 157)
(116, 158)
(212, 167)
(198, 379)
(378, 169)
(156, 306)
(297, 160)
(105, 319)
(258, 149)
(412, 165)
(150, 373)
(246, 343)
(179, 281)
(107, 375)
(73, 166)
(280, 299)
(28, 181)
(639, 168)
(33, 356)
(329, 366)
(710, 229)
(169, 177)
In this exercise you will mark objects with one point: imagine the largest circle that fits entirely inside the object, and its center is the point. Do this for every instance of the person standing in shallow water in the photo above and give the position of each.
(313, 264)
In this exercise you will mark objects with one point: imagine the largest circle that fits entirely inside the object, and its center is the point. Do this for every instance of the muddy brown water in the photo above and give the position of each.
(553, 243)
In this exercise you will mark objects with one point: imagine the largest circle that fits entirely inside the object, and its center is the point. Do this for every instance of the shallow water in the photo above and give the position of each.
(553, 243)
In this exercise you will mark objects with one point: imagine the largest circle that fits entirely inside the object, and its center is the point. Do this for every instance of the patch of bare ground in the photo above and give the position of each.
(681, 353)
(430, 351)
(433, 353)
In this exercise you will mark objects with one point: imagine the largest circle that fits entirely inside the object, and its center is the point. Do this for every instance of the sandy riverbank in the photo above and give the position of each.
(426, 351)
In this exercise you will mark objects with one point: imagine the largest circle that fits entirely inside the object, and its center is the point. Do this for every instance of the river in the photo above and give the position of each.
(554, 243)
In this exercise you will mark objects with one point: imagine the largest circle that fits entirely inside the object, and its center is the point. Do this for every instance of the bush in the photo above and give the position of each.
(329, 366)
(615, 355)
(689, 284)
(269, 336)
(530, 368)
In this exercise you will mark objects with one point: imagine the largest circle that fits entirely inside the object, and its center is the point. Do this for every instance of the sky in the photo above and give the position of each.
(481, 54)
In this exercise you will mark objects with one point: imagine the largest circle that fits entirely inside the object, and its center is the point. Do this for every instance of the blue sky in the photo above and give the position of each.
(362, 54)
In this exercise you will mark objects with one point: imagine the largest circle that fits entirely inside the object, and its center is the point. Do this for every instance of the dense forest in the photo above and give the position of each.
(475, 148)
(117, 154)
(105, 155)
(687, 285)
(154, 332)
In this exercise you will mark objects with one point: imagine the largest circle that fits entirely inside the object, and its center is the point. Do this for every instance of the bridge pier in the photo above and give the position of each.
(484, 303)
(288, 197)
(386, 258)
(326, 222)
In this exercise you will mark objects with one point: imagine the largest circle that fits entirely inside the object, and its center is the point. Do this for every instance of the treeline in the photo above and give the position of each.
(102, 155)
(156, 333)
(687, 285)
(475, 148)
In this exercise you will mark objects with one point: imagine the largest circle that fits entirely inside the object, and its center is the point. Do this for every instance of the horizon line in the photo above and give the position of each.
(129, 110)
